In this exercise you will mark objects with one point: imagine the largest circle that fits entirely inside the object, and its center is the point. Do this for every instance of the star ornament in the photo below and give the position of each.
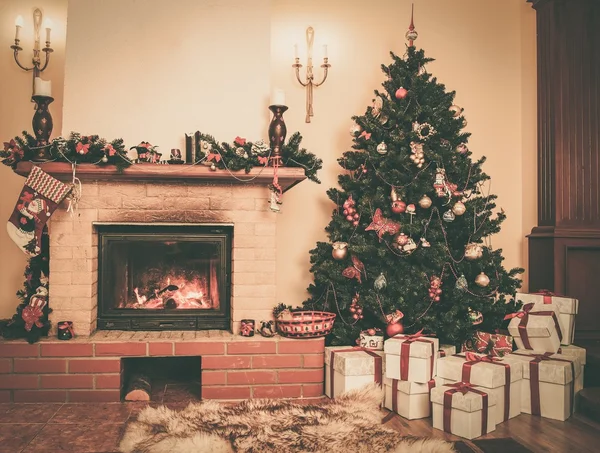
(382, 225)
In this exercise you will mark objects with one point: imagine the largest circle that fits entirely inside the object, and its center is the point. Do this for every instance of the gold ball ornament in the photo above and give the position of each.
(459, 208)
(400, 240)
(482, 280)
(425, 202)
(456, 111)
(340, 250)
(473, 251)
(382, 148)
(213, 167)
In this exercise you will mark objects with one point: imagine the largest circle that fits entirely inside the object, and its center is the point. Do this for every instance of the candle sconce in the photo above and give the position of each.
(41, 91)
(309, 82)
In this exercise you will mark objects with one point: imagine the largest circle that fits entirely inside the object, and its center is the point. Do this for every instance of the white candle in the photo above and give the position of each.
(295, 50)
(325, 51)
(278, 97)
(42, 87)
(18, 26)
(48, 26)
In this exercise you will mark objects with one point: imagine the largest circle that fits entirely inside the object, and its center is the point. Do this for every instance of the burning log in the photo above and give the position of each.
(139, 388)
(171, 304)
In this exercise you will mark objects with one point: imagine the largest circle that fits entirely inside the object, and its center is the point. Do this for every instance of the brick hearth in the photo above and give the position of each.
(89, 369)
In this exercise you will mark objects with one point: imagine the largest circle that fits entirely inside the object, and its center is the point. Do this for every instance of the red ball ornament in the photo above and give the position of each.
(394, 329)
(371, 332)
(359, 311)
(398, 207)
(349, 218)
(355, 316)
(346, 212)
(355, 223)
(346, 204)
(360, 316)
(437, 298)
(356, 216)
(364, 170)
(352, 309)
(401, 93)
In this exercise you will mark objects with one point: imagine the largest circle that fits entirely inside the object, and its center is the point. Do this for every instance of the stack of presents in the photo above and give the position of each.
(488, 382)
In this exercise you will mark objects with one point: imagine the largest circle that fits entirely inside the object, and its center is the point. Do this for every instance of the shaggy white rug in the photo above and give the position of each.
(349, 424)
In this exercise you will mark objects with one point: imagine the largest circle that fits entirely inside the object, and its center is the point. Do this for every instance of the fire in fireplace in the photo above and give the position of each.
(155, 277)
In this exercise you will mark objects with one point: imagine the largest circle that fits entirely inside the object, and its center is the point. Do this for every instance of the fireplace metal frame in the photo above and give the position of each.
(110, 318)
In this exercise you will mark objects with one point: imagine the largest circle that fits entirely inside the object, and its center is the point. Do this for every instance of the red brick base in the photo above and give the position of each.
(90, 369)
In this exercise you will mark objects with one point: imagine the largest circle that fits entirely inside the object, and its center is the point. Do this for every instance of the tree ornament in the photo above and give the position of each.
(435, 288)
(355, 308)
(475, 317)
(398, 207)
(245, 156)
(380, 282)
(425, 202)
(459, 208)
(461, 283)
(462, 148)
(409, 246)
(213, 167)
(423, 130)
(482, 280)
(400, 240)
(382, 225)
(411, 209)
(411, 34)
(394, 329)
(355, 129)
(394, 194)
(425, 243)
(340, 250)
(350, 211)
(456, 111)
(239, 151)
(441, 184)
(382, 148)
(448, 216)
(417, 154)
(377, 106)
(104, 159)
(356, 270)
(473, 251)
(401, 93)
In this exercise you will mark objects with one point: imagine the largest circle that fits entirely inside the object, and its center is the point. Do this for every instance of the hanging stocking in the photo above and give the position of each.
(39, 198)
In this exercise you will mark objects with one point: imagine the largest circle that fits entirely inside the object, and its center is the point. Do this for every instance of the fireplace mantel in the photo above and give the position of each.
(288, 176)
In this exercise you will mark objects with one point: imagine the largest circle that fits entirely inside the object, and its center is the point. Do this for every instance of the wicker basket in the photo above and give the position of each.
(305, 324)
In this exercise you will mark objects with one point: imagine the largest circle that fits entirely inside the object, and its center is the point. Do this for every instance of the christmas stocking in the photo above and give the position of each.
(39, 199)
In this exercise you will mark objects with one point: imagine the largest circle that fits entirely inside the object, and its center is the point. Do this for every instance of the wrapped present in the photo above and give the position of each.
(548, 383)
(446, 350)
(373, 342)
(575, 351)
(409, 399)
(492, 344)
(536, 327)
(567, 309)
(463, 410)
(500, 377)
(348, 368)
(411, 357)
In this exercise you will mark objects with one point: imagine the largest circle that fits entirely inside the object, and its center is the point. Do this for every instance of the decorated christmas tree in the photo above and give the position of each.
(410, 233)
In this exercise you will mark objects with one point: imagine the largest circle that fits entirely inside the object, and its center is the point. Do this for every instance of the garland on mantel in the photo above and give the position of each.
(92, 149)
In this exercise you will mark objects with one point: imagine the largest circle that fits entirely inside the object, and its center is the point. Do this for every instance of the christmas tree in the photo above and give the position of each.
(409, 238)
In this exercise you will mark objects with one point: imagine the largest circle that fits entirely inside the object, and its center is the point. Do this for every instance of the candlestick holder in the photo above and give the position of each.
(309, 82)
(277, 131)
(42, 126)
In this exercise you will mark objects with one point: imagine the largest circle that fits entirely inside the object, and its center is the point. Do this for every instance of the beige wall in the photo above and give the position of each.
(16, 112)
(169, 67)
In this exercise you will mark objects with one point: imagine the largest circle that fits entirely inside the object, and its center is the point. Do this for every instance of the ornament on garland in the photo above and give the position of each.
(411, 210)
(356, 270)
(423, 130)
(425, 243)
(425, 202)
(398, 206)
(401, 93)
(213, 167)
(340, 250)
(456, 110)
(482, 280)
(382, 148)
(410, 245)
(462, 148)
(459, 208)
(475, 317)
(417, 154)
(473, 251)
(350, 211)
(84, 149)
(448, 216)
(382, 225)
(435, 288)
(441, 184)
(394, 324)
(400, 240)
(380, 282)
(260, 148)
(461, 283)
(355, 308)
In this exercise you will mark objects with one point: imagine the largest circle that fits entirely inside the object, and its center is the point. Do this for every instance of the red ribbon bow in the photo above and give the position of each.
(520, 314)
(524, 315)
(464, 388)
(263, 160)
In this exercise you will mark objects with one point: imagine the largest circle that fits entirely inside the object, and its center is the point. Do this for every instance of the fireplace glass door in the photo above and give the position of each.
(164, 277)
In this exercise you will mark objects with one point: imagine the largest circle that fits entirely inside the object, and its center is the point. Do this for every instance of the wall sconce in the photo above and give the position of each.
(309, 82)
(42, 89)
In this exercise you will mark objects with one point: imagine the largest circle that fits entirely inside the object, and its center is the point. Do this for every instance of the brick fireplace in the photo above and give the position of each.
(89, 368)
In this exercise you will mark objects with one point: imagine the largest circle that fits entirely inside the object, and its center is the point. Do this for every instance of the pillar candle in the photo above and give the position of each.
(42, 87)
(278, 97)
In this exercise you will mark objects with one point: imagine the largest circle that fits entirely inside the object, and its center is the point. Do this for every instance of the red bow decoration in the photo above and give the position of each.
(239, 141)
(356, 270)
(366, 135)
(413, 337)
(246, 328)
(263, 160)
(520, 314)
(462, 387)
(31, 315)
(213, 156)
(110, 150)
(82, 149)
(382, 225)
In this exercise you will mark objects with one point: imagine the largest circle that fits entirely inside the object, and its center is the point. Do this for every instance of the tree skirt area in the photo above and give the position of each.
(351, 423)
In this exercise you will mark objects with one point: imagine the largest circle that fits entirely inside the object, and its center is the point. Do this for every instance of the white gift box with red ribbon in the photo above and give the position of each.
(348, 368)
(579, 353)
(409, 399)
(567, 310)
(411, 357)
(536, 327)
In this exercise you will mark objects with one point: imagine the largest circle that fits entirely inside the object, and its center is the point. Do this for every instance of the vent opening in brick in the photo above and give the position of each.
(164, 277)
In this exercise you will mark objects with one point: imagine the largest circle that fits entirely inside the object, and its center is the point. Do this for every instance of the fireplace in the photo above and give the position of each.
(164, 277)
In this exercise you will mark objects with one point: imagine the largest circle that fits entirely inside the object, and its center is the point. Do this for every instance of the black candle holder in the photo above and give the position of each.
(42, 126)
(277, 130)
(65, 330)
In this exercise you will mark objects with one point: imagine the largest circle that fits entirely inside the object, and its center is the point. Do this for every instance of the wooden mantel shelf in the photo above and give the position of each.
(288, 176)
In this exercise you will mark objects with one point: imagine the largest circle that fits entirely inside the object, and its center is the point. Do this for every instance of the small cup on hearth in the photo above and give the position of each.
(247, 327)
(65, 330)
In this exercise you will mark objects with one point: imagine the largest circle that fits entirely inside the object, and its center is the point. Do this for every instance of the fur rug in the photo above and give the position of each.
(349, 424)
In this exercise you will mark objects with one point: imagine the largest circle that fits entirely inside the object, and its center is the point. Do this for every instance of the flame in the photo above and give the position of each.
(188, 295)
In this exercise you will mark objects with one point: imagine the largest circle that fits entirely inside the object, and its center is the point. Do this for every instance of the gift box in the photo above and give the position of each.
(575, 351)
(348, 368)
(567, 309)
(446, 350)
(409, 399)
(373, 342)
(500, 377)
(411, 357)
(536, 327)
(463, 410)
(492, 344)
(548, 383)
